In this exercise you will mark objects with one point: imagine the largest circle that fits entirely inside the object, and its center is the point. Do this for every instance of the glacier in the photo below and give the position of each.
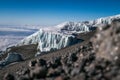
(85, 26)
(60, 36)
(48, 41)
(72, 27)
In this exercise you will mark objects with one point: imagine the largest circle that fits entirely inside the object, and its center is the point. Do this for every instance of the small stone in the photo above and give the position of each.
(32, 63)
(49, 64)
(8, 77)
(81, 76)
(73, 57)
(75, 71)
(41, 62)
(39, 72)
(26, 77)
(54, 72)
(56, 62)
(26, 71)
(59, 78)
(116, 58)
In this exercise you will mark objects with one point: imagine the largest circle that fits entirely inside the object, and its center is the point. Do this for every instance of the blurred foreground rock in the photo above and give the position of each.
(107, 42)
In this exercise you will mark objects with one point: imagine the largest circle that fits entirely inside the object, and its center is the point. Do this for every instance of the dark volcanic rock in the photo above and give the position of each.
(41, 62)
(8, 77)
(32, 63)
(73, 57)
(39, 72)
(56, 62)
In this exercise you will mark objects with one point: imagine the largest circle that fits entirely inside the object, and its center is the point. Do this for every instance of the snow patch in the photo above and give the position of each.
(11, 57)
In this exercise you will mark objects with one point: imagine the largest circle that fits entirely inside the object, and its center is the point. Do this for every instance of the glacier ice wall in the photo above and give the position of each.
(48, 41)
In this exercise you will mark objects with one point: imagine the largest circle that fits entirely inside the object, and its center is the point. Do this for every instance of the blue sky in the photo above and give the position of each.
(52, 12)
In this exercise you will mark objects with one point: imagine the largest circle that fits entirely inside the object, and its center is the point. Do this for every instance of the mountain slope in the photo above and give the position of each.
(89, 60)
(28, 54)
(60, 36)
